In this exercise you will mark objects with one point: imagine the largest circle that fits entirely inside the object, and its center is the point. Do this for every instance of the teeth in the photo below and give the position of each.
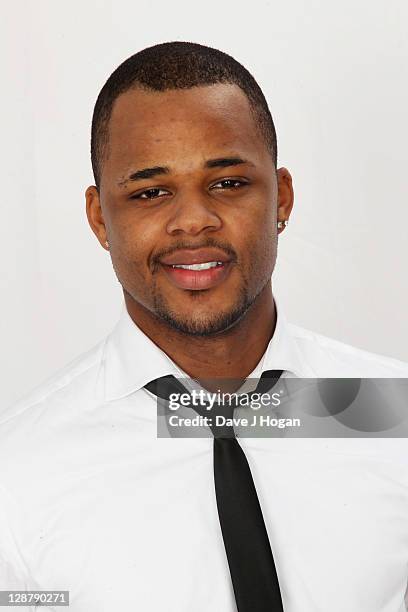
(201, 266)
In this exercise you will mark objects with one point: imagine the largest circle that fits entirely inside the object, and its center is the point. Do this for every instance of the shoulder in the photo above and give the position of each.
(328, 357)
(41, 434)
(76, 380)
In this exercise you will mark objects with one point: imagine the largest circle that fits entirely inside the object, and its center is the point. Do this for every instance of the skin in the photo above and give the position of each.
(222, 331)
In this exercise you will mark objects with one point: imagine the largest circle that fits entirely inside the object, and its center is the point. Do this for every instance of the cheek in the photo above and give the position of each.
(256, 240)
(132, 243)
(254, 227)
(131, 239)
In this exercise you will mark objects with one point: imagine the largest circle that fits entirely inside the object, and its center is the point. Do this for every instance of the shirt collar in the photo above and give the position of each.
(283, 351)
(130, 359)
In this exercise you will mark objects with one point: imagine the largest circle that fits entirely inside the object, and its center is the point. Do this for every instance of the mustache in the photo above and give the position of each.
(210, 242)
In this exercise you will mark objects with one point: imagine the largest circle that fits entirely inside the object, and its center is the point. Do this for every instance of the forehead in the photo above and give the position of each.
(181, 125)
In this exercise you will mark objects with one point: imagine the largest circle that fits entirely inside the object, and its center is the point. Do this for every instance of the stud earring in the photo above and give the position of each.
(282, 224)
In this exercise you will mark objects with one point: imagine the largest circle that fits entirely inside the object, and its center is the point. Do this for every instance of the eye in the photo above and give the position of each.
(229, 183)
(149, 194)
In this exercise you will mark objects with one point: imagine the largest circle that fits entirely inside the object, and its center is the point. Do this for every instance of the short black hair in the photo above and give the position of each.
(176, 65)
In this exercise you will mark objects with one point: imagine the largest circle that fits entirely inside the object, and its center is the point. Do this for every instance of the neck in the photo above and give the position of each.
(232, 354)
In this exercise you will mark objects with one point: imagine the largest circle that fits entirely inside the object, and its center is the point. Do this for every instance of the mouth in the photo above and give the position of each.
(197, 269)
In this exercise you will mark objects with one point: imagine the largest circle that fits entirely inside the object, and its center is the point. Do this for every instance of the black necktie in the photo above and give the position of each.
(249, 554)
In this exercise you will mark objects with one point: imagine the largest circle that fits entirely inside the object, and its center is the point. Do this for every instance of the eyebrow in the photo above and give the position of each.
(224, 162)
(147, 173)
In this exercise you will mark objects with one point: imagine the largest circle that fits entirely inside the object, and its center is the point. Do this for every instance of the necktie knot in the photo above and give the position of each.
(221, 412)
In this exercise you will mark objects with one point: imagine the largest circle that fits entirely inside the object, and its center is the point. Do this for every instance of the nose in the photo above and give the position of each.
(192, 213)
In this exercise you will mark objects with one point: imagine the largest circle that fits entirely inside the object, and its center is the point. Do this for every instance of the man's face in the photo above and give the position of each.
(188, 181)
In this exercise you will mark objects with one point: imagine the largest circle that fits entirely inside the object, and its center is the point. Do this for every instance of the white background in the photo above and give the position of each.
(335, 76)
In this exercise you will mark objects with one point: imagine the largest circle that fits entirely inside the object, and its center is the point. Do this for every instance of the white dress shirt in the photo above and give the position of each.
(91, 501)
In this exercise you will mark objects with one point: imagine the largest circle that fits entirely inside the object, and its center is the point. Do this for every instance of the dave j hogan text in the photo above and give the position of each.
(257, 420)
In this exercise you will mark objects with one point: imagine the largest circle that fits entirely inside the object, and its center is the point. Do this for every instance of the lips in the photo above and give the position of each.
(195, 256)
(202, 268)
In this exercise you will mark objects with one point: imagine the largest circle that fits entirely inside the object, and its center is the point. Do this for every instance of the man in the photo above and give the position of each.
(189, 202)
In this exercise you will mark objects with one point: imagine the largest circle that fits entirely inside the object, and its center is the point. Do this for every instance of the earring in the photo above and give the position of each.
(107, 244)
(282, 224)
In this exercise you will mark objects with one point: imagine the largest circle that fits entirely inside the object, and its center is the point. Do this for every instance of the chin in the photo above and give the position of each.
(197, 328)
(203, 325)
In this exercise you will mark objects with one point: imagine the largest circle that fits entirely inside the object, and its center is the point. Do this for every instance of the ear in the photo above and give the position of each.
(95, 217)
(285, 195)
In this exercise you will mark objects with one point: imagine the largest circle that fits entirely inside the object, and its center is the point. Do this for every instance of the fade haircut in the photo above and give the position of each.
(176, 65)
